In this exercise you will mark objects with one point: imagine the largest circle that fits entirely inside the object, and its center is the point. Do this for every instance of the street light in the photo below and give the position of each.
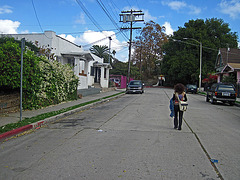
(200, 74)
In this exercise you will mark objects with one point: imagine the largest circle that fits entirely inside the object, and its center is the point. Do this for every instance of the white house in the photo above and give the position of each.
(89, 68)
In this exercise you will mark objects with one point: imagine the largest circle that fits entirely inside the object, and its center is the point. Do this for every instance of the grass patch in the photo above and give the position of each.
(37, 118)
(203, 93)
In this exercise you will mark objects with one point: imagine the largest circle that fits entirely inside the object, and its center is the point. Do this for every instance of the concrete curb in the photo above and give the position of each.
(13, 132)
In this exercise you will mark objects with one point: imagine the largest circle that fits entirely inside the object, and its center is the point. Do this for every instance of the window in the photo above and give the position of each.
(135, 83)
(225, 88)
(92, 71)
(105, 73)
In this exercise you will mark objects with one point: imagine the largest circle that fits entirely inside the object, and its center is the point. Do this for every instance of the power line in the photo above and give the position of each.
(99, 40)
(112, 9)
(128, 3)
(137, 4)
(194, 44)
(117, 16)
(81, 32)
(36, 16)
(89, 15)
(109, 16)
(115, 5)
(38, 20)
(94, 21)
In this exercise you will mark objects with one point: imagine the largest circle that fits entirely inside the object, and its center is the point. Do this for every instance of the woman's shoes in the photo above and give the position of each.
(178, 128)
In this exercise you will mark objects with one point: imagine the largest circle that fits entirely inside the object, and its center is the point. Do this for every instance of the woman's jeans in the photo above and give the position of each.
(176, 122)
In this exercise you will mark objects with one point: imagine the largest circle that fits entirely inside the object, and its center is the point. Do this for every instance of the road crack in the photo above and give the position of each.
(201, 145)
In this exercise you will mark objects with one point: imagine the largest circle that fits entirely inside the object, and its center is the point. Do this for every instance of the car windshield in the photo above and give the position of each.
(192, 86)
(135, 83)
(225, 88)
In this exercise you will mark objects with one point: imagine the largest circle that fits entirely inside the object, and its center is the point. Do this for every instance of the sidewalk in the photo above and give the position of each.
(15, 117)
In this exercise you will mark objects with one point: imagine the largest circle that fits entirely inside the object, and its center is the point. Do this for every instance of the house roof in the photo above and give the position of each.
(234, 65)
(230, 55)
(99, 64)
(231, 67)
(86, 54)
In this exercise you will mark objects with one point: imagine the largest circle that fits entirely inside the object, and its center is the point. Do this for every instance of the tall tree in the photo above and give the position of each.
(148, 49)
(181, 60)
(101, 51)
(121, 68)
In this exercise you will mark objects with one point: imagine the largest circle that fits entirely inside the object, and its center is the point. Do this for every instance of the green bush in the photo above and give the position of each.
(45, 82)
(229, 79)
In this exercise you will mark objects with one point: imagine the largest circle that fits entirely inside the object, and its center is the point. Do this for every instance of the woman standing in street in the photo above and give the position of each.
(178, 91)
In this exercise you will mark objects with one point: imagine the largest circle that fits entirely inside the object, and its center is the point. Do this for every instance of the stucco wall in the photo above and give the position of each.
(104, 81)
(90, 78)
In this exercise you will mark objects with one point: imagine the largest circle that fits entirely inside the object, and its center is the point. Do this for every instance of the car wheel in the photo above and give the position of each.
(231, 103)
(207, 99)
(212, 101)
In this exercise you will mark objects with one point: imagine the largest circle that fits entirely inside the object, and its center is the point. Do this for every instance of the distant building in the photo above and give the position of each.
(228, 63)
(89, 68)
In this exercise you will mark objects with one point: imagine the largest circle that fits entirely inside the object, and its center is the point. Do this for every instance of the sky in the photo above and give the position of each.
(91, 22)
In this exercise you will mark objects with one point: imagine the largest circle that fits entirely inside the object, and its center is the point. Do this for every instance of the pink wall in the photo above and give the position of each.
(123, 80)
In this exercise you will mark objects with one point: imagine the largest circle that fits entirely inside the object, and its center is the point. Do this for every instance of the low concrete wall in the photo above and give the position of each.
(89, 91)
(9, 103)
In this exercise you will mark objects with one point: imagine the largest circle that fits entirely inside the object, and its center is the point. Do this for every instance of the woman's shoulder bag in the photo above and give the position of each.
(182, 104)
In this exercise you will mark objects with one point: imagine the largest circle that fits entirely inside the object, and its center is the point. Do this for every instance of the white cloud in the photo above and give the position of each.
(231, 8)
(9, 26)
(126, 8)
(68, 37)
(181, 6)
(80, 19)
(5, 10)
(194, 9)
(148, 16)
(169, 30)
(97, 38)
(24, 32)
(154, 2)
(176, 5)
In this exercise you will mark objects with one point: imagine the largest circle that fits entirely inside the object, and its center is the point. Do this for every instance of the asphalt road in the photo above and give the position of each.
(130, 138)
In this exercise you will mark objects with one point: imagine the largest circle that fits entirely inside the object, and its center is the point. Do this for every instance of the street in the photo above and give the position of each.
(131, 137)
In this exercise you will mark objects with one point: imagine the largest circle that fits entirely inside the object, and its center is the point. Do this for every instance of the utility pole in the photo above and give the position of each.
(126, 17)
(109, 49)
(141, 62)
(22, 51)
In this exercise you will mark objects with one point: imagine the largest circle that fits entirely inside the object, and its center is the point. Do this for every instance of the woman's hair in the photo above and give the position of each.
(179, 88)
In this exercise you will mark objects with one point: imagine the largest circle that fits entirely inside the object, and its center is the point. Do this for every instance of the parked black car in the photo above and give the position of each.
(221, 92)
(191, 88)
(135, 86)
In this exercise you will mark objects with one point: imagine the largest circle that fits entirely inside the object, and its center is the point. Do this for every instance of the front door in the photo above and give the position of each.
(97, 75)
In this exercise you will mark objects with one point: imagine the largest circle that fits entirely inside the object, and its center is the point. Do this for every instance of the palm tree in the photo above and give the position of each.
(100, 51)
(114, 52)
